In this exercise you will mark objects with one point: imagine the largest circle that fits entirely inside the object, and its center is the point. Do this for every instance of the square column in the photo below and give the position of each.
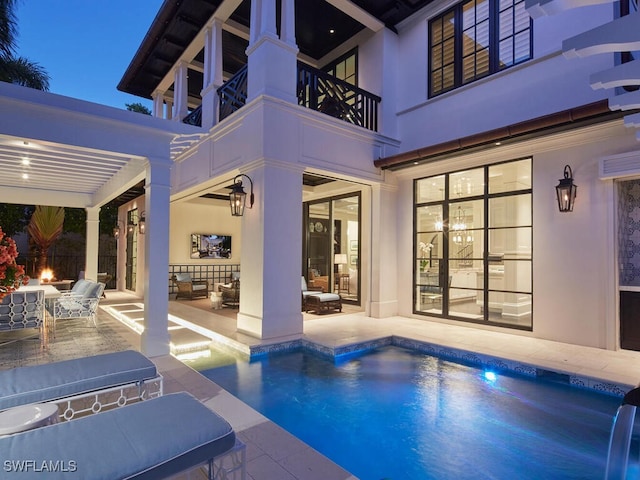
(181, 92)
(272, 61)
(93, 236)
(212, 73)
(155, 338)
(384, 261)
(270, 290)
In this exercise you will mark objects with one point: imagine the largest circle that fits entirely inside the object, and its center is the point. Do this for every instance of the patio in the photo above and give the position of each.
(272, 453)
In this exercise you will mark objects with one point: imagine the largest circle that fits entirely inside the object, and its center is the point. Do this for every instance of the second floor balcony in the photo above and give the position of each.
(315, 89)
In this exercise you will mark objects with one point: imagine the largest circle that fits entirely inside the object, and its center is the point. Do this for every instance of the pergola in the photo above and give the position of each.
(61, 151)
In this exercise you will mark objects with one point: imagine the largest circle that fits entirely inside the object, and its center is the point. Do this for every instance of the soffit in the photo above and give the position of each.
(54, 173)
(179, 21)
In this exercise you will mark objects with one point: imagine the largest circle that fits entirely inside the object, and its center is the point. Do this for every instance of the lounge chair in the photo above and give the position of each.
(112, 379)
(147, 440)
(308, 290)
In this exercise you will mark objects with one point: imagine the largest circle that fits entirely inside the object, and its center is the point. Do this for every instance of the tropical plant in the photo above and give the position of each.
(44, 228)
(18, 70)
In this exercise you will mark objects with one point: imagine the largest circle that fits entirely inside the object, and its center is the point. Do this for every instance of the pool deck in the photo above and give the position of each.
(272, 453)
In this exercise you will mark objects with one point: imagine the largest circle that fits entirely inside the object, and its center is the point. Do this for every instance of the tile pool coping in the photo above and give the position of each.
(479, 360)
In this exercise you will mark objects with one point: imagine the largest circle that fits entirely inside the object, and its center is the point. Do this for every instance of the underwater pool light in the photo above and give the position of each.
(490, 376)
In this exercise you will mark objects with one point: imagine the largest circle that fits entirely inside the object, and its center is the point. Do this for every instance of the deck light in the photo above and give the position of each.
(237, 197)
(566, 191)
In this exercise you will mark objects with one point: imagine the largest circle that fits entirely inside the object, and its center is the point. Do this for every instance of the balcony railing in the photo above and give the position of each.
(194, 117)
(327, 94)
(233, 94)
(316, 90)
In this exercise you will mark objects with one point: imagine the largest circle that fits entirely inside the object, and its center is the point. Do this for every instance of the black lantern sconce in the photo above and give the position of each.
(566, 191)
(142, 223)
(116, 229)
(238, 197)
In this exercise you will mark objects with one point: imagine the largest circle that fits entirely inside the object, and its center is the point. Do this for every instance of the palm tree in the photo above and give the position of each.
(18, 70)
(44, 228)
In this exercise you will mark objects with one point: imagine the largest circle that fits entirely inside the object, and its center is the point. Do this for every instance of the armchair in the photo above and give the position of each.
(189, 288)
(80, 302)
(318, 281)
(22, 310)
(231, 291)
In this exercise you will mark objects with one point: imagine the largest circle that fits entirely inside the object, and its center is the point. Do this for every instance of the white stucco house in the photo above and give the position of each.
(405, 157)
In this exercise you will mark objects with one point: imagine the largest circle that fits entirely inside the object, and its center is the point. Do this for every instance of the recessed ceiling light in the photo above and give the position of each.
(25, 176)
(331, 30)
(498, 143)
(25, 161)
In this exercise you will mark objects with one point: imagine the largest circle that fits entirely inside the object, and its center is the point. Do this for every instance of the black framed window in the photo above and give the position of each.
(345, 68)
(473, 234)
(477, 38)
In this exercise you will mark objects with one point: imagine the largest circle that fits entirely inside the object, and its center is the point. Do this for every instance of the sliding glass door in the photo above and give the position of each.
(332, 245)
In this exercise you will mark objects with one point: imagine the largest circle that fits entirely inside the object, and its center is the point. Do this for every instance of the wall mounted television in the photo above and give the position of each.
(210, 246)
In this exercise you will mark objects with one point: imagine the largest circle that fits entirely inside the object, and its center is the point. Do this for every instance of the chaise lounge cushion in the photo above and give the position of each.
(48, 382)
(147, 440)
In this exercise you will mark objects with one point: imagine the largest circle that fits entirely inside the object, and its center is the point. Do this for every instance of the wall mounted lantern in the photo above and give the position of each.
(142, 223)
(131, 226)
(116, 229)
(566, 191)
(237, 197)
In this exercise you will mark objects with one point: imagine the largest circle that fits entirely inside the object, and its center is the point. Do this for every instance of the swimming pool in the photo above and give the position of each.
(397, 414)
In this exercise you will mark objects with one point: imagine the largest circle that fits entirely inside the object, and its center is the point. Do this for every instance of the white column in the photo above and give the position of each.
(155, 338)
(212, 73)
(93, 236)
(288, 22)
(268, 18)
(181, 92)
(169, 104)
(384, 262)
(270, 295)
(158, 103)
(254, 21)
(272, 62)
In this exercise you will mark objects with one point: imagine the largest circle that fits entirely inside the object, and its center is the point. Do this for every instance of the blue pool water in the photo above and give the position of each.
(400, 415)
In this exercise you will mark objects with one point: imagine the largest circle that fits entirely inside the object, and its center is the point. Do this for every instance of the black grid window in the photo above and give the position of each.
(477, 38)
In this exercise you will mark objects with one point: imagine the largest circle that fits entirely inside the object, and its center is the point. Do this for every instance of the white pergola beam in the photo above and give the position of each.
(625, 101)
(632, 120)
(619, 35)
(625, 74)
(541, 8)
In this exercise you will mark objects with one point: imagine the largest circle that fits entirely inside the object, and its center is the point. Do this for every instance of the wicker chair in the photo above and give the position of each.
(189, 288)
(231, 291)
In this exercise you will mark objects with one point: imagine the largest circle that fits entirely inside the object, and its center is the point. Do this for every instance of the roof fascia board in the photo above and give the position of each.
(222, 13)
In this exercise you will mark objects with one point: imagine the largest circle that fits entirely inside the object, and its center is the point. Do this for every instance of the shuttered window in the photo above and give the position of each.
(477, 38)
